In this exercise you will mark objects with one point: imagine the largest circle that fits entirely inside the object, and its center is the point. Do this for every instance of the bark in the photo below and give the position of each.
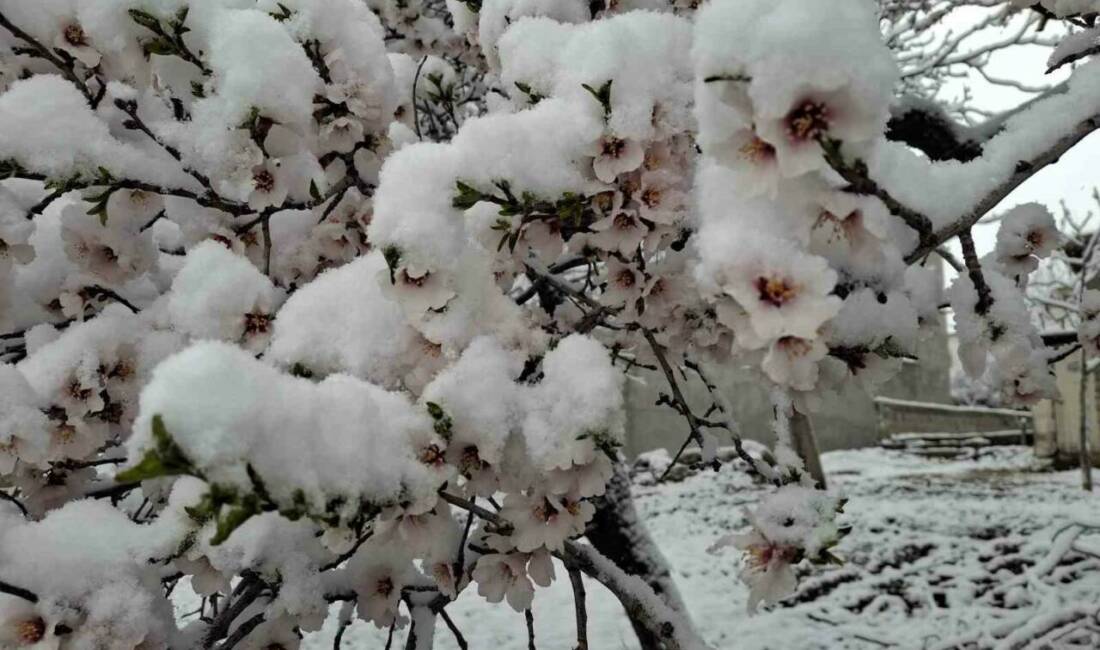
(620, 536)
(805, 445)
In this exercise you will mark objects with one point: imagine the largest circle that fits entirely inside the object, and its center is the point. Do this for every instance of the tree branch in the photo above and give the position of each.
(18, 592)
(580, 609)
(974, 270)
(1025, 169)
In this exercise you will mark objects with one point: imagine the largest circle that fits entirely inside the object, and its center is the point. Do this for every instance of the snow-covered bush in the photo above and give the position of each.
(323, 301)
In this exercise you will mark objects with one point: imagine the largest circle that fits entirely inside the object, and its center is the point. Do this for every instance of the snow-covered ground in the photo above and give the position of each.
(936, 550)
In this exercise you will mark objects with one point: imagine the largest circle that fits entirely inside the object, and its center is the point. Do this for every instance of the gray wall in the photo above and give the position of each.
(844, 423)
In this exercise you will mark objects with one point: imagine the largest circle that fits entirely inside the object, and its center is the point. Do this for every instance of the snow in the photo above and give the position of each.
(47, 126)
(929, 541)
(339, 441)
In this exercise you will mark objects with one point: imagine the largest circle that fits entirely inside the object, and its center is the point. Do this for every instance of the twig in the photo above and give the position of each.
(243, 630)
(974, 270)
(18, 592)
(18, 504)
(459, 639)
(416, 110)
(529, 616)
(859, 182)
(44, 52)
(249, 590)
(580, 607)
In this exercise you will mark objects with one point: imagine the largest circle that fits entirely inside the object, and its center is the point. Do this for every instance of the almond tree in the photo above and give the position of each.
(327, 308)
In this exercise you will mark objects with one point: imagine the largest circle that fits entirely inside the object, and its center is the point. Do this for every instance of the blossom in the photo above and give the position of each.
(341, 134)
(269, 185)
(1027, 233)
(614, 156)
(792, 361)
(23, 627)
(784, 291)
(418, 290)
(621, 232)
(661, 198)
(766, 567)
(545, 520)
(111, 252)
(503, 576)
(625, 283)
(792, 121)
(380, 573)
(73, 40)
(753, 160)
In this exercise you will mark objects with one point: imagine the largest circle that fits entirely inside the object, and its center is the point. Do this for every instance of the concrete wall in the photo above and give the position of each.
(844, 423)
(1058, 421)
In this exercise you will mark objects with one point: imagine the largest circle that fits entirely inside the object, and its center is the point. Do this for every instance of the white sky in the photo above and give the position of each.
(1071, 180)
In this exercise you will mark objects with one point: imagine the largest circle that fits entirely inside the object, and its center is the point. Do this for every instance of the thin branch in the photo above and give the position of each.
(859, 182)
(18, 592)
(580, 609)
(459, 639)
(974, 270)
(18, 504)
(243, 630)
(529, 616)
(67, 70)
(248, 591)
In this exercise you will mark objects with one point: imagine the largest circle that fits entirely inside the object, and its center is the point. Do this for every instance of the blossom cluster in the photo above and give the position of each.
(293, 293)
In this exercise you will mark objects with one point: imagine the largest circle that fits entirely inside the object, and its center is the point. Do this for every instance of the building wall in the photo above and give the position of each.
(845, 423)
(1058, 421)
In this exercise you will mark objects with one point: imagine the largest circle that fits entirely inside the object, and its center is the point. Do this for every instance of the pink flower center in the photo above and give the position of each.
(384, 587)
(31, 630)
(625, 278)
(1035, 238)
(808, 120)
(415, 282)
(624, 221)
(264, 180)
(794, 346)
(612, 147)
(757, 150)
(776, 291)
(74, 35)
(257, 323)
(431, 455)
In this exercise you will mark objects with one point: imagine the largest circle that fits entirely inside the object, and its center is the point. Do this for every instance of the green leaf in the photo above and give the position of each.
(164, 459)
(151, 466)
(467, 196)
(392, 255)
(602, 95)
(284, 14)
(197, 90)
(161, 46)
(145, 19)
(233, 518)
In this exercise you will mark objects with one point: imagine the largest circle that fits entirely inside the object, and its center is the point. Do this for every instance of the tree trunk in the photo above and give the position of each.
(1084, 457)
(805, 445)
(619, 535)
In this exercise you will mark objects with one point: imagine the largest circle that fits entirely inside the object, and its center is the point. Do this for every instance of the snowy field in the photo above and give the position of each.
(940, 551)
